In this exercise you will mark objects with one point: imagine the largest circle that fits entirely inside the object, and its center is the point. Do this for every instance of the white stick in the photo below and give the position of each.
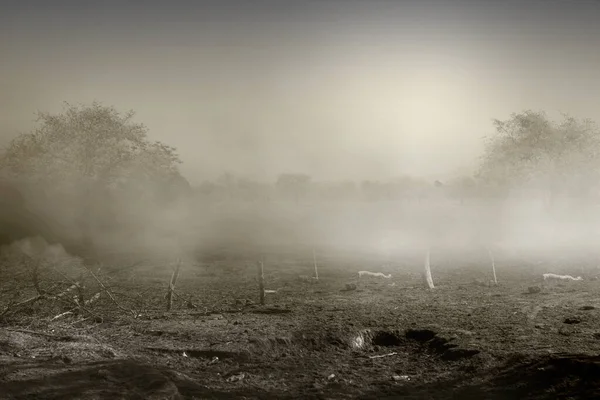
(428, 278)
(561, 277)
(493, 265)
(383, 355)
(374, 274)
(61, 315)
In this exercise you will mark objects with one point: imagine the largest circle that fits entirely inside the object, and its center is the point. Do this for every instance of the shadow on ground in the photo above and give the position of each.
(550, 377)
(119, 379)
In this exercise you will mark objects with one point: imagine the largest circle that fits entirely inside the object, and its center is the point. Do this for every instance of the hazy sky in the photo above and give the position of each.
(337, 89)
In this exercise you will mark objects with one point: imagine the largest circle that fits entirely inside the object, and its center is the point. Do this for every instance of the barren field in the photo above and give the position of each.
(335, 338)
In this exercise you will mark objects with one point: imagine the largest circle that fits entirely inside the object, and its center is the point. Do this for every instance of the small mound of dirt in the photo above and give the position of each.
(15, 340)
(349, 287)
(533, 290)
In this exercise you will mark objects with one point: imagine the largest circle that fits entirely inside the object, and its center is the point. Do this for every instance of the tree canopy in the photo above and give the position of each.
(93, 142)
(530, 150)
(96, 160)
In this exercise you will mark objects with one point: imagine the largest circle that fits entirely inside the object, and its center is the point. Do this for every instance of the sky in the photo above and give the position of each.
(336, 89)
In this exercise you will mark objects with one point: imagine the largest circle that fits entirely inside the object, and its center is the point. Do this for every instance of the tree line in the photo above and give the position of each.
(91, 165)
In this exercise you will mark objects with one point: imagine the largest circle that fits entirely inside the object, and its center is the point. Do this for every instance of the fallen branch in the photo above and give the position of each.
(119, 306)
(373, 274)
(79, 307)
(61, 315)
(561, 277)
(384, 355)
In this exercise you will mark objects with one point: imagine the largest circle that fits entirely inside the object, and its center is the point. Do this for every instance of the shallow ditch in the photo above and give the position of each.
(366, 340)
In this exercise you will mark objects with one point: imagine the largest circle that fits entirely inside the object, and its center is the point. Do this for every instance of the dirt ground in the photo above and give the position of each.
(340, 337)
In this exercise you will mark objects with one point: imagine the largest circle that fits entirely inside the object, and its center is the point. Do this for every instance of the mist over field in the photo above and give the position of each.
(373, 103)
(307, 199)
